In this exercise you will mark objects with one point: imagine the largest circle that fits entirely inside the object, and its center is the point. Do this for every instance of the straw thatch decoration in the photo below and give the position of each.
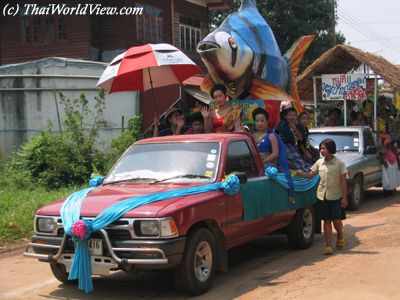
(340, 60)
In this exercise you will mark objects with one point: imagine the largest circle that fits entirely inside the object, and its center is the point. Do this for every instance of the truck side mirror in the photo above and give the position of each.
(371, 150)
(242, 177)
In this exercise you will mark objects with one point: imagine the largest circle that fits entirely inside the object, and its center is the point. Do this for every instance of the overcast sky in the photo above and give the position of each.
(371, 25)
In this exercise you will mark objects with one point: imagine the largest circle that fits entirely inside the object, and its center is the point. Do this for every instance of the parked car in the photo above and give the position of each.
(189, 235)
(357, 148)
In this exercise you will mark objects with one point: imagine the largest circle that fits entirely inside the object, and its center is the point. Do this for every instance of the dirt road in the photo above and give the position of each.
(369, 268)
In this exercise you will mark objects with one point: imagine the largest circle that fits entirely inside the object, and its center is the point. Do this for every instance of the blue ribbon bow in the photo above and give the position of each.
(70, 215)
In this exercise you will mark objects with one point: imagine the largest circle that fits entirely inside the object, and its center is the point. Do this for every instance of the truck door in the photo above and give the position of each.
(240, 159)
(373, 172)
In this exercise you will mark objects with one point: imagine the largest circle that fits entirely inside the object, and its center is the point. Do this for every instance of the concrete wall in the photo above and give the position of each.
(28, 94)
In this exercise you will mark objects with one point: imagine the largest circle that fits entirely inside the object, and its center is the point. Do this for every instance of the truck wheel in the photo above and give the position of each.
(357, 193)
(301, 232)
(60, 272)
(196, 271)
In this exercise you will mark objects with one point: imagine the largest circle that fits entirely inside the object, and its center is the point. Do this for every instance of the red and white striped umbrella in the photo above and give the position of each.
(146, 67)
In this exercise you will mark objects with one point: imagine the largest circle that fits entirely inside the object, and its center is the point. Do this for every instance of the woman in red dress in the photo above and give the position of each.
(225, 118)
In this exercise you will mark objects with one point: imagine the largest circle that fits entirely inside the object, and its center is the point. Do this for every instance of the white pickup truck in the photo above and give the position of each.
(357, 148)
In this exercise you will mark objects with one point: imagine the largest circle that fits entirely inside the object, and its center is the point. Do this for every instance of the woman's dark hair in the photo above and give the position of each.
(218, 87)
(288, 110)
(259, 111)
(329, 144)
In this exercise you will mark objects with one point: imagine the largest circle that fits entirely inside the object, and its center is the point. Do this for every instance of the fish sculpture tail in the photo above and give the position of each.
(294, 56)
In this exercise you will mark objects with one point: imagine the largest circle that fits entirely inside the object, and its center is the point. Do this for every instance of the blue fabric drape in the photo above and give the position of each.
(70, 214)
(282, 159)
(300, 184)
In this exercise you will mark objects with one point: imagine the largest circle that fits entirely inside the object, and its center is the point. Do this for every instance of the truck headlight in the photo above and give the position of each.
(149, 228)
(46, 225)
(156, 228)
(168, 228)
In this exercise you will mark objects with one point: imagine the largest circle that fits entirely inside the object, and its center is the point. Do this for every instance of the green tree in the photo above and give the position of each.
(289, 20)
(127, 138)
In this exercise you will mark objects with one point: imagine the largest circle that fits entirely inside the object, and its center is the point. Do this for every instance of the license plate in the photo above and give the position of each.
(95, 247)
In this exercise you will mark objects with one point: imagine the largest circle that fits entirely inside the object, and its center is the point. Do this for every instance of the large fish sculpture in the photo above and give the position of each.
(243, 54)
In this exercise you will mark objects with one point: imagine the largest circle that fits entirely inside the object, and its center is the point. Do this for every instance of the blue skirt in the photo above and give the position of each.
(296, 160)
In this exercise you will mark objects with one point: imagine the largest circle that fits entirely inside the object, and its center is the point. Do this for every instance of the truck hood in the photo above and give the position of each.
(348, 158)
(104, 196)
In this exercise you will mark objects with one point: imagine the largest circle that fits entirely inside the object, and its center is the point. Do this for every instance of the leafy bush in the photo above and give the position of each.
(127, 138)
(54, 160)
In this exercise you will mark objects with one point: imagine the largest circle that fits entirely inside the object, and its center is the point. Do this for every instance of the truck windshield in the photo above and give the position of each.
(345, 141)
(167, 162)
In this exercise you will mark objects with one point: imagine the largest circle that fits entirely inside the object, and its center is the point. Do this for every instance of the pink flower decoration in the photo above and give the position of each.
(79, 229)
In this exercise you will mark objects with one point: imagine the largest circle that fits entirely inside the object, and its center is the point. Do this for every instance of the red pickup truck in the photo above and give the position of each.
(189, 235)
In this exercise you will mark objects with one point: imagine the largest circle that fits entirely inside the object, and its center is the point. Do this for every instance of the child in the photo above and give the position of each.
(197, 124)
(175, 122)
(332, 192)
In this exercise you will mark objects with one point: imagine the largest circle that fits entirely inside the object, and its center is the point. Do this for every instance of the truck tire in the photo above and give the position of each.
(357, 194)
(301, 232)
(60, 272)
(196, 271)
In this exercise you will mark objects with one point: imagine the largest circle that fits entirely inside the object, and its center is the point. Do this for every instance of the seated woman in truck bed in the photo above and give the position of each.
(291, 133)
(271, 147)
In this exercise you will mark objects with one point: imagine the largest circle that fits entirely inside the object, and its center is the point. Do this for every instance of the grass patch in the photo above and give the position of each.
(18, 207)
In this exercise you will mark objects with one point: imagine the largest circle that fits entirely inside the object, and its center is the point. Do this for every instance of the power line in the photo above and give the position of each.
(368, 33)
(357, 22)
(365, 29)
(373, 35)
(377, 23)
(370, 40)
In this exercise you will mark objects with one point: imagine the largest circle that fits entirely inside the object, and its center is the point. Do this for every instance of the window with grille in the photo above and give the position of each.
(149, 25)
(43, 29)
(190, 34)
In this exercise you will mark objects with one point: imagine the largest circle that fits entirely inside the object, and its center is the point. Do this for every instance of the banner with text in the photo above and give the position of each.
(344, 87)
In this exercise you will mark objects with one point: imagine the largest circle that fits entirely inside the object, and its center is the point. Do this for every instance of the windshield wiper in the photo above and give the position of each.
(130, 179)
(182, 176)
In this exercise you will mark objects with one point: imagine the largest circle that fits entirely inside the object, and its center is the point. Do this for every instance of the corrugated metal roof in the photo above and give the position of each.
(51, 61)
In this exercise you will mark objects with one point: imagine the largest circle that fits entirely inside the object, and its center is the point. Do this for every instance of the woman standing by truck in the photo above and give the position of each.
(331, 193)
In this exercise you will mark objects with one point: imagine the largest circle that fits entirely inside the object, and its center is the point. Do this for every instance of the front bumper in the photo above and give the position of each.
(118, 254)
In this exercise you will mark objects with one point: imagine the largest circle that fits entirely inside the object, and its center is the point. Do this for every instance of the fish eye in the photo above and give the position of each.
(232, 42)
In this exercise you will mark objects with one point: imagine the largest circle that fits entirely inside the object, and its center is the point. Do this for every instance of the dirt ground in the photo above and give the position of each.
(368, 268)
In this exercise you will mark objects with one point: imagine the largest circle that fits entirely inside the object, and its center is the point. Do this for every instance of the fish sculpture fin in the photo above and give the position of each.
(260, 89)
(294, 56)
(207, 84)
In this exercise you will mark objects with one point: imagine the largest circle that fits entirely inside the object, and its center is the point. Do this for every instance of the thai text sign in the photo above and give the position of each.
(344, 87)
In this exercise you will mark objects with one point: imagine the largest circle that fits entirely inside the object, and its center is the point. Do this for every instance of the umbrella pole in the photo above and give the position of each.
(152, 92)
